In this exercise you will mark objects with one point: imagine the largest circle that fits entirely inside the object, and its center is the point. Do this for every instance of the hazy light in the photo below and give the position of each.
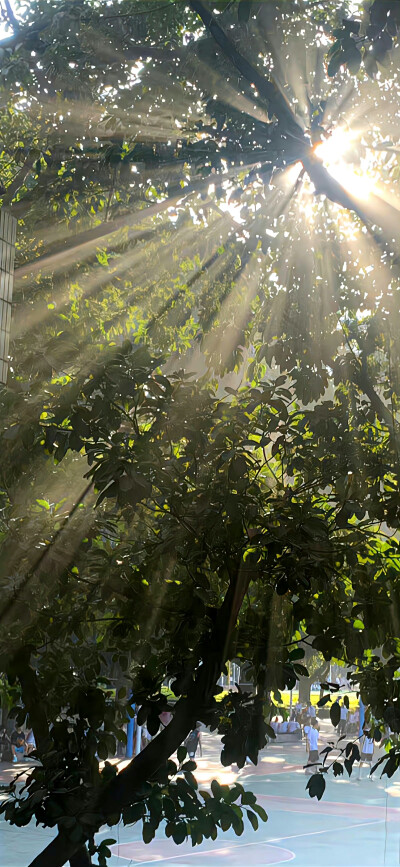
(332, 151)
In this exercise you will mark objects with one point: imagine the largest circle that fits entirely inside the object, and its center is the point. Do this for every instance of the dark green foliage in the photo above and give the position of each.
(368, 41)
(316, 786)
(155, 523)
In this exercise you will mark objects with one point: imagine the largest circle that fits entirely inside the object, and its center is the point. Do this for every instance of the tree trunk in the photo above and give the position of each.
(126, 787)
(81, 858)
(305, 689)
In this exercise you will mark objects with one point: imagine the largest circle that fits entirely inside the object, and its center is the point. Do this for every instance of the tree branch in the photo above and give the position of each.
(382, 411)
(278, 103)
(10, 15)
(323, 182)
(17, 181)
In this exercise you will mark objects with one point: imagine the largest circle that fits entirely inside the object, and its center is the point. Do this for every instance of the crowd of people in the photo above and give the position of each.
(19, 745)
(349, 723)
(302, 723)
(283, 727)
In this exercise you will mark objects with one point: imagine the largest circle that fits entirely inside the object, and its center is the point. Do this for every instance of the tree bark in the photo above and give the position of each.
(305, 689)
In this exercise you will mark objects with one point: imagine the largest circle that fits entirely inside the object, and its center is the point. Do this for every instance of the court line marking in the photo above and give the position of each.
(324, 831)
(234, 845)
(208, 852)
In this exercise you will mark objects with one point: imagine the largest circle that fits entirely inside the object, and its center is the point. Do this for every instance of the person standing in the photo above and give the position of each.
(367, 752)
(311, 711)
(297, 710)
(192, 742)
(30, 743)
(306, 732)
(313, 738)
(343, 719)
(5, 746)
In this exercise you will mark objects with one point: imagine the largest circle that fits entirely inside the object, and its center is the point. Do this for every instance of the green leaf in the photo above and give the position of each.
(324, 700)
(334, 714)
(181, 754)
(336, 61)
(179, 833)
(261, 812)
(252, 819)
(133, 813)
(316, 786)
(148, 832)
(248, 798)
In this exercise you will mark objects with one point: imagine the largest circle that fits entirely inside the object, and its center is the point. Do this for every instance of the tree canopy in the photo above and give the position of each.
(200, 424)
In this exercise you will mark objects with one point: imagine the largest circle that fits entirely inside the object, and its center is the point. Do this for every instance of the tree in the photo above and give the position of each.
(171, 521)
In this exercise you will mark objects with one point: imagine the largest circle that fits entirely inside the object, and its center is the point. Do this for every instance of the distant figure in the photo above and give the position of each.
(311, 710)
(294, 729)
(17, 744)
(5, 746)
(367, 751)
(145, 737)
(30, 743)
(298, 709)
(313, 737)
(283, 727)
(306, 732)
(343, 719)
(353, 721)
(192, 742)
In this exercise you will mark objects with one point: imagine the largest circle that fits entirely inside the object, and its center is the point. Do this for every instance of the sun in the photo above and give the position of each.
(334, 147)
(359, 180)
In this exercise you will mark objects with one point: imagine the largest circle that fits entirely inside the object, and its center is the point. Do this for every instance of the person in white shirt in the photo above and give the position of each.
(311, 710)
(343, 719)
(293, 726)
(283, 727)
(306, 731)
(367, 752)
(313, 755)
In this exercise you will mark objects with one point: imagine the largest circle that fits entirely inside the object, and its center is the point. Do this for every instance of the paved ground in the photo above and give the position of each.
(357, 823)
